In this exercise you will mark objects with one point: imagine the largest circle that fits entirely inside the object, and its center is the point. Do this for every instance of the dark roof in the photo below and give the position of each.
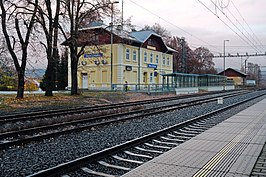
(136, 36)
(236, 70)
(210, 75)
(96, 23)
(144, 35)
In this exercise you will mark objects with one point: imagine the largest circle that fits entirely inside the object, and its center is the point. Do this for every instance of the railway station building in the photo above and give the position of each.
(115, 57)
(235, 75)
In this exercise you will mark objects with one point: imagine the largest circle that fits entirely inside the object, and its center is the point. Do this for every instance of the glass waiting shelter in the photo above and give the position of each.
(207, 80)
(180, 80)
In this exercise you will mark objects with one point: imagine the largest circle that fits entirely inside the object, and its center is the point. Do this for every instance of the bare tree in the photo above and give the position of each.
(23, 21)
(76, 12)
(49, 22)
(254, 72)
(158, 29)
(204, 58)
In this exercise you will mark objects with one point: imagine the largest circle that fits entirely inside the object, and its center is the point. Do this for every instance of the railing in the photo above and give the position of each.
(131, 87)
(147, 87)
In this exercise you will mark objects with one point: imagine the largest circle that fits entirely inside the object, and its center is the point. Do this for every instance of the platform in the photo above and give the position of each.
(230, 148)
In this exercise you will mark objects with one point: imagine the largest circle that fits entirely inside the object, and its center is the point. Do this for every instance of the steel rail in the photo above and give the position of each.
(75, 110)
(79, 162)
(131, 115)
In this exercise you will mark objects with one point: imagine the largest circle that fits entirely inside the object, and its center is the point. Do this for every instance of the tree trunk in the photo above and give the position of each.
(49, 79)
(21, 82)
(52, 53)
(74, 70)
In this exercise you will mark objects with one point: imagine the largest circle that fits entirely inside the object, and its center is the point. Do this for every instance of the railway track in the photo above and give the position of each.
(117, 160)
(24, 136)
(86, 109)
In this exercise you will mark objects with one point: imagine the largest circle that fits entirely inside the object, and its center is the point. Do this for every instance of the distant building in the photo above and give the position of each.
(237, 76)
(251, 82)
(139, 57)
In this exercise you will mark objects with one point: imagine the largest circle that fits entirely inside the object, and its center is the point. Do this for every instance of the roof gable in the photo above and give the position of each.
(150, 40)
(144, 35)
(233, 72)
(145, 38)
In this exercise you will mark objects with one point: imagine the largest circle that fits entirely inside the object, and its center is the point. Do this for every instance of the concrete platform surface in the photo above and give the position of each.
(230, 148)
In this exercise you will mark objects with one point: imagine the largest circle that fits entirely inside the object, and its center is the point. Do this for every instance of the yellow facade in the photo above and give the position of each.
(138, 66)
(237, 80)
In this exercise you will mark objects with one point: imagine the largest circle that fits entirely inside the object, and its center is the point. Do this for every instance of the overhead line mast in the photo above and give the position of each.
(240, 55)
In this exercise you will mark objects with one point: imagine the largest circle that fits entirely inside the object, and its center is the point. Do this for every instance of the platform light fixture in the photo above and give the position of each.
(112, 40)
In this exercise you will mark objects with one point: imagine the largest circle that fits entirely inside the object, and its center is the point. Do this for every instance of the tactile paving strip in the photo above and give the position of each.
(231, 148)
(260, 166)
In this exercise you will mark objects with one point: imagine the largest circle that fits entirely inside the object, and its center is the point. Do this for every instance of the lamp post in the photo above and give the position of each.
(224, 65)
(111, 25)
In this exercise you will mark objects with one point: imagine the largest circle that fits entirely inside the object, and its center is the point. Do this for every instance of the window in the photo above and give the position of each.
(134, 55)
(151, 77)
(168, 61)
(149, 42)
(151, 58)
(163, 60)
(145, 57)
(157, 59)
(128, 54)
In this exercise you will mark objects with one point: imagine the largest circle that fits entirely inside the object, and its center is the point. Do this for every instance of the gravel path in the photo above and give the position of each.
(25, 160)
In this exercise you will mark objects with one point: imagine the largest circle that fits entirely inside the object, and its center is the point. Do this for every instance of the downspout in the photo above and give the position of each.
(139, 67)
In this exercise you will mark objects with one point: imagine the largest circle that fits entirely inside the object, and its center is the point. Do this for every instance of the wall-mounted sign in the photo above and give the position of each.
(93, 55)
(128, 68)
(151, 47)
(152, 66)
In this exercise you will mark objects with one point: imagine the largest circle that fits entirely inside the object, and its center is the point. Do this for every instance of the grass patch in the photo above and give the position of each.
(59, 100)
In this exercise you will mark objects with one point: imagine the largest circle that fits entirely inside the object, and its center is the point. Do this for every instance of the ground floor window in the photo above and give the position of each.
(151, 77)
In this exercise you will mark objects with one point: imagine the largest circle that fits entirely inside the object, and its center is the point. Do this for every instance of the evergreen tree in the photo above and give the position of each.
(61, 74)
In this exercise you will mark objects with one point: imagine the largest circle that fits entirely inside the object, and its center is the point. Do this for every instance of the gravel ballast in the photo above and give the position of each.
(31, 158)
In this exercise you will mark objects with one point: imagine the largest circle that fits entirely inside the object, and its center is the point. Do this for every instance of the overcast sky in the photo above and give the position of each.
(201, 27)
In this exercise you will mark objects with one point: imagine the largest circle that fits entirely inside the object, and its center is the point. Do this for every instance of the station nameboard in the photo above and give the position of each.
(152, 66)
(93, 55)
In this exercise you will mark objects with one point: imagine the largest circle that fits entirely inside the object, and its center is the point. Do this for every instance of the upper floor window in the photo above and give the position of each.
(157, 59)
(163, 60)
(127, 54)
(145, 57)
(151, 58)
(149, 42)
(134, 55)
(151, 77)
(168, 61)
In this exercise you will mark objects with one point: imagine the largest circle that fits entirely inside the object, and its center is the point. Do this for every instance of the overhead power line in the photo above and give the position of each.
(215, 14)
(255, 45)
(248, 26)
(163, 19)
(252, 38)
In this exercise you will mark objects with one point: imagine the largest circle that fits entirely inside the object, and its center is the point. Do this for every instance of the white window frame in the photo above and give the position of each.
(151, 78)
(134, 56)
(168, 61)
(127, 54)
(157, 59)
(151, 58)
(145, 57)
(163, 59)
